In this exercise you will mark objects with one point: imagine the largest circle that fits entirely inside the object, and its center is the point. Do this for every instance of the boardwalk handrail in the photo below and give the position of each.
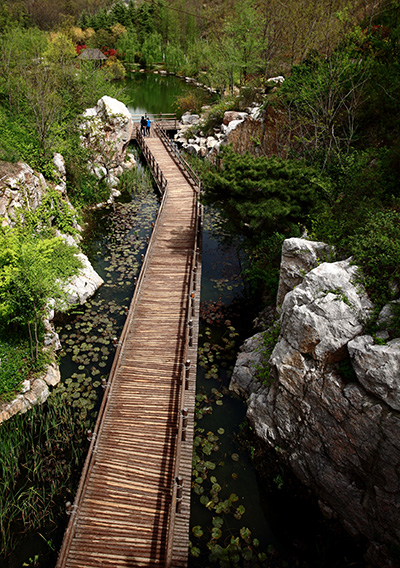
(159, 176)
(91, 455)
(163, 117)
(184, 166)
(184, 385)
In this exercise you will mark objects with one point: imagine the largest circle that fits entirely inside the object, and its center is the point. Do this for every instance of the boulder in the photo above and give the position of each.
(299, 256)
(377, 368)
(107, 130)
(232, 115)
(189, 118)
(84, 285)
(233, 123)
(20, 185)
(243, 379)
(192, 149)
(323, 313)
(276, 80)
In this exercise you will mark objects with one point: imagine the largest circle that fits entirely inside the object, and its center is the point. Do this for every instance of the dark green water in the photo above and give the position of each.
(152, 93)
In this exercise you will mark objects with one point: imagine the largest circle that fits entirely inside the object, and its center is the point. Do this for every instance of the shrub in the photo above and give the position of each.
(376, 248)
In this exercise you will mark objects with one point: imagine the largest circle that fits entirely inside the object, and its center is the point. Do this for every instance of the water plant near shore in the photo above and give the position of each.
(42, 454)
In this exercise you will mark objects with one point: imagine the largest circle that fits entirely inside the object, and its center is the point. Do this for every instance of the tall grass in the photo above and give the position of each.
(42, 452)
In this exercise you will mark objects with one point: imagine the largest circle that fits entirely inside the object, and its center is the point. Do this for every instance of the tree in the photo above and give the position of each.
(259, 196)
(323, 96)
(33, 271)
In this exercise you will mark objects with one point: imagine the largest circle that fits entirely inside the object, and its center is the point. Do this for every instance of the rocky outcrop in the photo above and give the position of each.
(299, 256)
(332, 409)
(33, 392)
(85, 284)
(20, 186)
(106, 131)
(208, 147)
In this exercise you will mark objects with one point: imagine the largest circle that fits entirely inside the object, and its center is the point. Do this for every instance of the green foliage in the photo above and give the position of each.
(15, 364)
(192, 102)
(376, 247)
(260, 266)
(32, 271)
(134, 181)
(324, 95)
(269, 340)
(260, 196)
(174, 58)
(42, 451)
(215, 116)
(53, 213)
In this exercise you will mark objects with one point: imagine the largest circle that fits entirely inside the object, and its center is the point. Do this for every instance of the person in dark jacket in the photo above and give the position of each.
(143, 123)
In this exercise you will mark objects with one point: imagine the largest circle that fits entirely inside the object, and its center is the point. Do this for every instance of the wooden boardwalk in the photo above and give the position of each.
(132, 506)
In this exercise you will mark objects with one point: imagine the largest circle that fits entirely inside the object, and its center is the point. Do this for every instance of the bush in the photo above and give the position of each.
(376, 248)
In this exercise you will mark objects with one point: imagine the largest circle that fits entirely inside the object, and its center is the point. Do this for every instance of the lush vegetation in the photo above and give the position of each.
(343, 158)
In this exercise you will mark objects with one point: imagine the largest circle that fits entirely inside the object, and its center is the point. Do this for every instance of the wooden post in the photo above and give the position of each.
(187, 371)
(190, 324)
(194, 277)
(185, 413)
(192, 303)
(179, 493)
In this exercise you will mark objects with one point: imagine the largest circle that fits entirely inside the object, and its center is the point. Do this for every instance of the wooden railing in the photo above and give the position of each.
(162, 117)
(194, 290)
(183, 165)
(158, 175)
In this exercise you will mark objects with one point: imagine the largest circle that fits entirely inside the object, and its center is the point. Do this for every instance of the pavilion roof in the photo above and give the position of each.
(92, 54)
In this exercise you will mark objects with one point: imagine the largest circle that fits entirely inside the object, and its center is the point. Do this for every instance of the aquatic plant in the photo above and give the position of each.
(42, 453)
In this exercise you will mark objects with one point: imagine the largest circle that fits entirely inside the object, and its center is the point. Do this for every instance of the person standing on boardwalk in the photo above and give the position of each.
(148, 126)
(143, 123)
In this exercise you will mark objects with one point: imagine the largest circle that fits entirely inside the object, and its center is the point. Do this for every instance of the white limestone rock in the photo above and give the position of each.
(190, 119)
(53, 375)
(59, 166)
(299, 256)
(340, 437)
(84, 285)
(18, 187)
(378, 367)
(323, 313)
(243, 379)
(107, 130)
(193, 149)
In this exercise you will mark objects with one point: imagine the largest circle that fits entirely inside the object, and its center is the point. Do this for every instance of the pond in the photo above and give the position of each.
(153, 93)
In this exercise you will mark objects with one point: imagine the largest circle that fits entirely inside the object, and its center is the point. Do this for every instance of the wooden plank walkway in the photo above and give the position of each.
(132, 507)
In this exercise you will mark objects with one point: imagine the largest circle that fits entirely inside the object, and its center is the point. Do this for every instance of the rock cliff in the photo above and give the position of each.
(331, 408)
(20, 186)
(106, 131)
